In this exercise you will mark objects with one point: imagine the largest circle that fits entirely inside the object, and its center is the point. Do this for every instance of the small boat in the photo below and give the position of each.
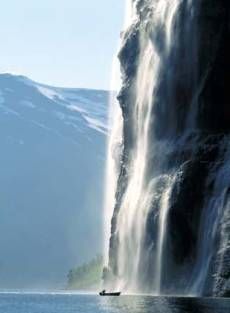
(111, 294)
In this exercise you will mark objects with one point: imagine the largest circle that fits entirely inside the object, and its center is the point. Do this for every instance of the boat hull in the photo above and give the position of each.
(110, 294)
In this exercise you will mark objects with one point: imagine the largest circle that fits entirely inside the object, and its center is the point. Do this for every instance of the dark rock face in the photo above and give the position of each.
(191, 113)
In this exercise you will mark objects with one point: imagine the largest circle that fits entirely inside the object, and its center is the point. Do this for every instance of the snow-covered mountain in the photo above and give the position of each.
(52, 160)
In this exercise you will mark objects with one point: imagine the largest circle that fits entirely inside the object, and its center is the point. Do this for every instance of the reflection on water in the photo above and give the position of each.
(18, 302)
(147, 304)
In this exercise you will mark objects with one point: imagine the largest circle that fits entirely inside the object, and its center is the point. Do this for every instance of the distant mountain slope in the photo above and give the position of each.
(52, 160)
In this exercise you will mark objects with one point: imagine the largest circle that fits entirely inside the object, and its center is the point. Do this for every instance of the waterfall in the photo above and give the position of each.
(114, 141)
(137, 199)
(135, 202)
(215, 219)
(166, 206)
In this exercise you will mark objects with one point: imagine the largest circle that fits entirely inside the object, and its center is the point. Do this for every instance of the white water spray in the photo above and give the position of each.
(113, 146)
(138, 196)
(114, 142)
(129, 13)
(163, 215)
(133, 211)
(155, 241)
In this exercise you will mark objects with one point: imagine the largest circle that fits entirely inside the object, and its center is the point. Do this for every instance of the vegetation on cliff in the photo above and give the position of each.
(87, 276)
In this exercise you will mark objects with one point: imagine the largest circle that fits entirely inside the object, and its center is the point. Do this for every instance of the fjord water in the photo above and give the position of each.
(72, 303)
(171, 203)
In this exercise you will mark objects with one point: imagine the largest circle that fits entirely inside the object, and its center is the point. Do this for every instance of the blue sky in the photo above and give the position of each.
(67, 43)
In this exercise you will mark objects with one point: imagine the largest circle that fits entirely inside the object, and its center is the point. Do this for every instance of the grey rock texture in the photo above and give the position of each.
(191, 113)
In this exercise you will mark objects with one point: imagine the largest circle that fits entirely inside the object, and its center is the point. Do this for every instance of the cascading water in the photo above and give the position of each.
(169, 207)
(139, 193)
(114, 142)
(164, 207)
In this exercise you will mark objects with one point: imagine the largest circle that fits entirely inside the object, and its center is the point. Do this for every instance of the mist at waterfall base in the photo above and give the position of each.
(169, 153)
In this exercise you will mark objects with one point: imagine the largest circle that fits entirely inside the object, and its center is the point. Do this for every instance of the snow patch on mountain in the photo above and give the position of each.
(49, 93)
(53, 157)
(79, 109)
(95, 124)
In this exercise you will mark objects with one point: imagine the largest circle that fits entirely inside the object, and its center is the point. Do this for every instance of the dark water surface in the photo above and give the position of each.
(72, 303)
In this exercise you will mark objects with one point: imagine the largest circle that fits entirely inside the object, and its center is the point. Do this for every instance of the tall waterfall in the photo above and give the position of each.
(114, 141)
(169, 208)
(139, 193)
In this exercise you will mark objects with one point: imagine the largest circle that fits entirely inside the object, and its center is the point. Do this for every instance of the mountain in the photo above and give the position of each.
(170, 231)
(52, 171)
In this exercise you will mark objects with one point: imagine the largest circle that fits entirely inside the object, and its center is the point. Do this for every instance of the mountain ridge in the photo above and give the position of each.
(52, 154)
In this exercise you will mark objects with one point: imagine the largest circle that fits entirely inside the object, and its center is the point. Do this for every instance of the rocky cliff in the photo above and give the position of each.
(170, 227)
